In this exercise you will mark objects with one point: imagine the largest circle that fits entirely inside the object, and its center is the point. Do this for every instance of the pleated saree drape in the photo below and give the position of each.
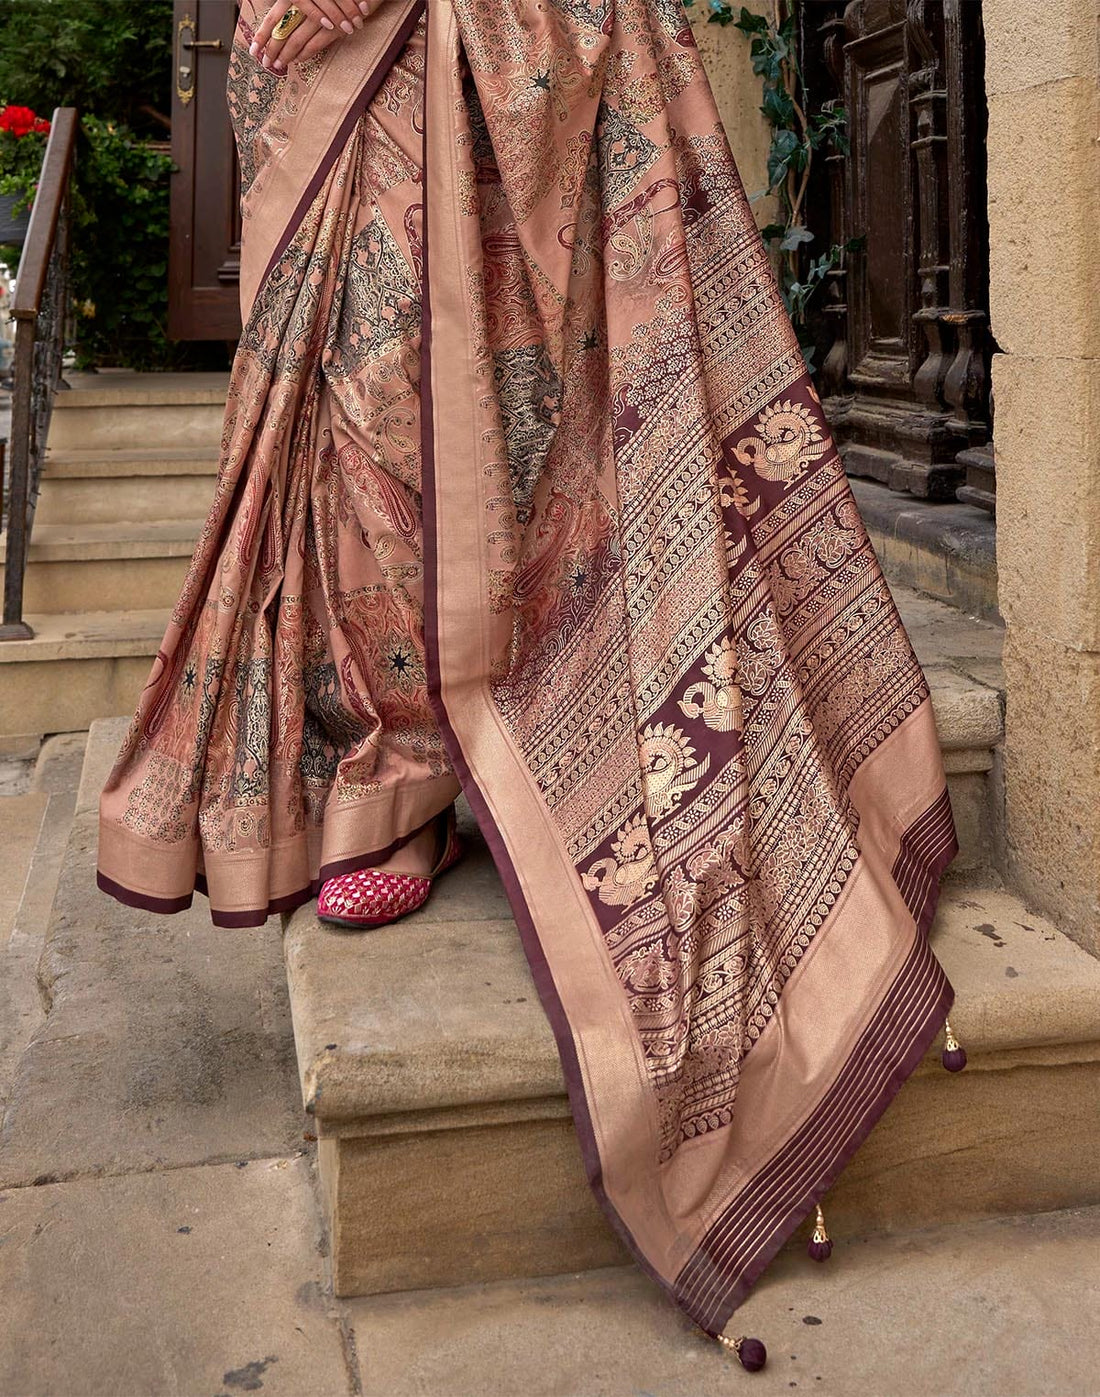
(525, 489)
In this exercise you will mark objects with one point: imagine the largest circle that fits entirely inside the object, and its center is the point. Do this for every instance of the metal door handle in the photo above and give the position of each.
(185, 72)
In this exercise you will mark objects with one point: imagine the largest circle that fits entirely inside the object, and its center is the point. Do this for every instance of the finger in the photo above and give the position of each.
(262, 36)
(342, 13)
(274, 57)
(263, 42)
(322, 40)
(354, 10)
(292, 49)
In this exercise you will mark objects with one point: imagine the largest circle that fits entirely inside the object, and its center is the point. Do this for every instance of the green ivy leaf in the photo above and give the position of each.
(795, 237)
(777, 106)
(748, 23)
(784, 146)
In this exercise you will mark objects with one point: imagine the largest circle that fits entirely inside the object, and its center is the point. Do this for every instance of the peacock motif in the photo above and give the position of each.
(717, 700)
(630, 873)
(669, 767)
(789, 441)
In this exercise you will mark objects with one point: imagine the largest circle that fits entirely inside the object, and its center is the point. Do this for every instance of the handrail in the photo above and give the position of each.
(40, 310)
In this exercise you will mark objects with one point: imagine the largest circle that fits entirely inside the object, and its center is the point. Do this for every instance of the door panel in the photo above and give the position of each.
(205, 239)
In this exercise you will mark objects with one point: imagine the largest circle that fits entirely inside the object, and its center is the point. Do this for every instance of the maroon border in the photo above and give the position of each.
(922, 977)
(362, 101)
(147, 903)
(927, 847)
(256, 916)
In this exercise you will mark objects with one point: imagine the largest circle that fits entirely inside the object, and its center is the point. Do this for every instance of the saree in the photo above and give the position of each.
(526, 491)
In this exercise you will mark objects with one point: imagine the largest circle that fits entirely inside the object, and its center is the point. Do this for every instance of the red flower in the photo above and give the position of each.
(21, 120)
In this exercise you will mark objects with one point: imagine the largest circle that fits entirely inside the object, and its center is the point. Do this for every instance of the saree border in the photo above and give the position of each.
(726, 1265)
(256, 916)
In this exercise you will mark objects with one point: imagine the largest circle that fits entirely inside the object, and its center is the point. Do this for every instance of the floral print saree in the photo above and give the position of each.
(526, 491)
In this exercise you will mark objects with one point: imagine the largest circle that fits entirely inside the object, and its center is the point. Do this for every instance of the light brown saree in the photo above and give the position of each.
(525, 489)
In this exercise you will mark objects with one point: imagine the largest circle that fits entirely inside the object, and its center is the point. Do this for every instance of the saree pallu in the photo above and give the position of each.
(514, 353)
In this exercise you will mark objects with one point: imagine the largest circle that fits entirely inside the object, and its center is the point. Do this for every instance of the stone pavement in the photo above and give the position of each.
(1006, 1308)
(159, 1232)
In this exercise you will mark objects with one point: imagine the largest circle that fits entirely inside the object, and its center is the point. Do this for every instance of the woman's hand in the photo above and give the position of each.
(325, 21)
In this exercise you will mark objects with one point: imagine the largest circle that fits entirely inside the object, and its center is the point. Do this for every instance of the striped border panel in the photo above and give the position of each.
(927, 847)
(753, 1227)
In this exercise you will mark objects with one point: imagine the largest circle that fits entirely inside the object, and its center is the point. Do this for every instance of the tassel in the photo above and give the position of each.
(820, 1246)
(953, 1056)
(751, 1352)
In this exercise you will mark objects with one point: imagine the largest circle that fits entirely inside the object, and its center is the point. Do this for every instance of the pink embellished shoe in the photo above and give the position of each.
(375, 896)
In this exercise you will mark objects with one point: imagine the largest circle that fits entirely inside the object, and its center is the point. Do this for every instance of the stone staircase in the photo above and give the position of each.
(448, 1162)
(446, 1149)
(447, 1153)
(130, 469)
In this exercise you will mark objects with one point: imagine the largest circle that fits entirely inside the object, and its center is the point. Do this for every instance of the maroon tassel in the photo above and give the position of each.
(953, 1056)
(820, 1246)
(751, 1353)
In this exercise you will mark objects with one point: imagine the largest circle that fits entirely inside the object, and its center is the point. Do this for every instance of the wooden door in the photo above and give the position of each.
(205, 239)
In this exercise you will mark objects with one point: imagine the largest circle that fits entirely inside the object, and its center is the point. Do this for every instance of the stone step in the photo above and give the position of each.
(101, 487)
(79, 667)
(106, 566)
(946, 550)
(34, 828)
(448, 1155)
(116, 408)
(159, 1043)
(962, 660)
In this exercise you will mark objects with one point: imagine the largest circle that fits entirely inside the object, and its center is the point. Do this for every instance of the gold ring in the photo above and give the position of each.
(287, 25)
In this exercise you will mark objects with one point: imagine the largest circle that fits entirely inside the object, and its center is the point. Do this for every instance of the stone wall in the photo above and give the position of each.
(737, 91)
(1044, 211)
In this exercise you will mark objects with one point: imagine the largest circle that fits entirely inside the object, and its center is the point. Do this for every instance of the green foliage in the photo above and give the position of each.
(20, 164)
(112, 57)
(796, 136)
(120, 248)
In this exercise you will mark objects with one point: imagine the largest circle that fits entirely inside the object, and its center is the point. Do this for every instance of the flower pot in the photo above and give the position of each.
(13, 226)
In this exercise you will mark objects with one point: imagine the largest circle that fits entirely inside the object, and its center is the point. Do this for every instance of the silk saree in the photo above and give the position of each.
(526, 491)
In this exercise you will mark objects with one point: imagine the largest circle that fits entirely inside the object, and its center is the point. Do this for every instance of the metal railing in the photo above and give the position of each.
(40, 309)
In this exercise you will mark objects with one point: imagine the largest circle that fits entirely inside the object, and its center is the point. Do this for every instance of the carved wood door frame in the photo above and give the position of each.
(906, 379)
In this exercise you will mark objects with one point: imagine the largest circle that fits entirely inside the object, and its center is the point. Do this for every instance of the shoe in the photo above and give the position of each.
(376, 896)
